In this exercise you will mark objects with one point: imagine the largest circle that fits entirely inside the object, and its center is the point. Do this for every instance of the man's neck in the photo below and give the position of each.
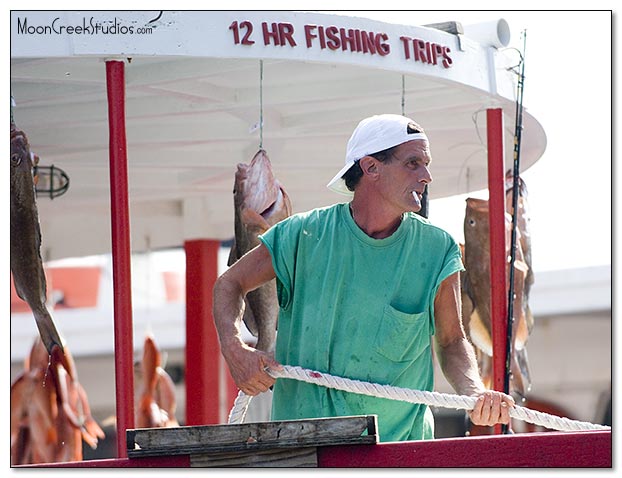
(374, 220)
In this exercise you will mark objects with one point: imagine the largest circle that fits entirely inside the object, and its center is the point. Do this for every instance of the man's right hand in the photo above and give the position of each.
(248, 368)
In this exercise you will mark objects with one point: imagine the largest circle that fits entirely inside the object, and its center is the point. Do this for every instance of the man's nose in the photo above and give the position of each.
(427, 176)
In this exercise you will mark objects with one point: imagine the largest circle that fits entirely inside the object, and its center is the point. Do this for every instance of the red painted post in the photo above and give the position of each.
(121, 253)
(498, 257)
(203, 363)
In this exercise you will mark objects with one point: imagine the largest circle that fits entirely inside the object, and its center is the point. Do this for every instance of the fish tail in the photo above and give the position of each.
(522, 363)
(151, 361)
(47, 330)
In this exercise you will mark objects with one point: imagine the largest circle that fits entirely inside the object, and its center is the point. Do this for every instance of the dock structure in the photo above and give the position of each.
(349, 442)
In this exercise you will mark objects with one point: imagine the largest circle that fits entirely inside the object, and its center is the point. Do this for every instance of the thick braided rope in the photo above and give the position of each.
(435, 399)
(240, 406)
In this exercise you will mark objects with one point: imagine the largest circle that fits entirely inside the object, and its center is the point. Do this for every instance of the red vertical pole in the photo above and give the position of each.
(121, 253)
(498, 255)
(203, 364)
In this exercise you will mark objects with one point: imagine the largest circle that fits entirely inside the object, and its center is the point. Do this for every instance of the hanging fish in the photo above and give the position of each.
(260, 201)
(476, 292)
(50, 414)
(26, 263)
(156, 400)
(524, 230)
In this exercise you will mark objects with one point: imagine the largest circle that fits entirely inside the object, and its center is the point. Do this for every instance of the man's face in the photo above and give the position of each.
(404, 177)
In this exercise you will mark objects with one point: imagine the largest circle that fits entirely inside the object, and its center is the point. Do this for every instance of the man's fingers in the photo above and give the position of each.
(491, 408)
(258, 383)
(505, 413)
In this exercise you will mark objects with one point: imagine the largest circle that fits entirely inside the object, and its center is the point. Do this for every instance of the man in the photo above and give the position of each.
(362, 288)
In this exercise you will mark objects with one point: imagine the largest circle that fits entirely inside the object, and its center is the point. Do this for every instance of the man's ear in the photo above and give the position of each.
(369, 165)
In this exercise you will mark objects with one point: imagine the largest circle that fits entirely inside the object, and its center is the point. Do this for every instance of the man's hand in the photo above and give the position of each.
(491, 408)
(248, 369)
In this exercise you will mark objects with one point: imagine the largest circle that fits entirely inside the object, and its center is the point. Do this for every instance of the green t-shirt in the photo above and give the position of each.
(358, 307)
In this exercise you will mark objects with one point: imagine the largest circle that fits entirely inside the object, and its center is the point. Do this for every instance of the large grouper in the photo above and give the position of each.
(476, 288)
(260, 201)
(26, 263)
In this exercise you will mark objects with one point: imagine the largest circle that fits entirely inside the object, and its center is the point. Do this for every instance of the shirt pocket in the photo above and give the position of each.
(401, 336)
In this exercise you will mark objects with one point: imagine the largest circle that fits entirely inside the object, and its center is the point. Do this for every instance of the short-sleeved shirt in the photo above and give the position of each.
(358, 307)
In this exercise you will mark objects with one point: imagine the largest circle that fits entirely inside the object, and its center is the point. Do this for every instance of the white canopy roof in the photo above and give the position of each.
(193, 106)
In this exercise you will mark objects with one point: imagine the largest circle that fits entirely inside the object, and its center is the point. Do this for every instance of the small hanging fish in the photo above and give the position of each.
(50, 413)
(156, 400)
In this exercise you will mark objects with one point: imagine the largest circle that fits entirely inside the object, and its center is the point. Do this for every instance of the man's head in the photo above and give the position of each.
(376, 136)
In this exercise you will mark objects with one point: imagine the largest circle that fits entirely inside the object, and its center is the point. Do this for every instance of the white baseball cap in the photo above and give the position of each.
(372, 135)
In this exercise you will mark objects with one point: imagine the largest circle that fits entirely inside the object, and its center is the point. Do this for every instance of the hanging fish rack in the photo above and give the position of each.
(50, 181)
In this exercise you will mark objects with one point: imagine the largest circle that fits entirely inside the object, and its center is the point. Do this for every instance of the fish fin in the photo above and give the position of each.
(529, 318)
(522, 363)
(254, 220)
(519, 328)
(521, 333)
(518, 385)
(467, 305)
(165, 393)
(485, 368)
(51, 435)
(47, 330)
(249, 320)
(287, 201)
(466, 288)
(91, 430)
(233, 254)
(151, 361)
(480, 336)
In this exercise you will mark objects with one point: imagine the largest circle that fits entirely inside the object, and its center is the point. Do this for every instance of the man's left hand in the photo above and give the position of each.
(491, 408)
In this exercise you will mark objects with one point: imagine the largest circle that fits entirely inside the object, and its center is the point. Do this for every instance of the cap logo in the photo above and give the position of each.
(412, 128)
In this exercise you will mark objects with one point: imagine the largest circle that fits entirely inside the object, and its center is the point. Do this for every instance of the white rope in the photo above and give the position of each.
(240, 406)
(435, 399)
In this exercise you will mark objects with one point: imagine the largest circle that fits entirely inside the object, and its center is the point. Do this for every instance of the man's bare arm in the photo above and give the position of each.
(457, 358)
(245, 363)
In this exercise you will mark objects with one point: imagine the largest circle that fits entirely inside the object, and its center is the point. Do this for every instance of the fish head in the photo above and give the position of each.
(21, 159)
(476, 221)
(41, 359)
(477, 229)
(476, 242)
(260, 199)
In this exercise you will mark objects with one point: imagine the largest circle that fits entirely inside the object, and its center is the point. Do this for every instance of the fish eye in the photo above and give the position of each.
(16, 159)
(471, 222)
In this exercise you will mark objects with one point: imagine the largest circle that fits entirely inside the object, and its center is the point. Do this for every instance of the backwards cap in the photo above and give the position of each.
(372, 135)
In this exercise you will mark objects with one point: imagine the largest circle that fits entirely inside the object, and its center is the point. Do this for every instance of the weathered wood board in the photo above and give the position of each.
(280, 443)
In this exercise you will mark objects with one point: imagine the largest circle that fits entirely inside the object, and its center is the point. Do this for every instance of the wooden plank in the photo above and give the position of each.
(278, 457)
(252, 436)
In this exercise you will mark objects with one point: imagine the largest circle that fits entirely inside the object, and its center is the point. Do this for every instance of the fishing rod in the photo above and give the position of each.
(518, 130)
